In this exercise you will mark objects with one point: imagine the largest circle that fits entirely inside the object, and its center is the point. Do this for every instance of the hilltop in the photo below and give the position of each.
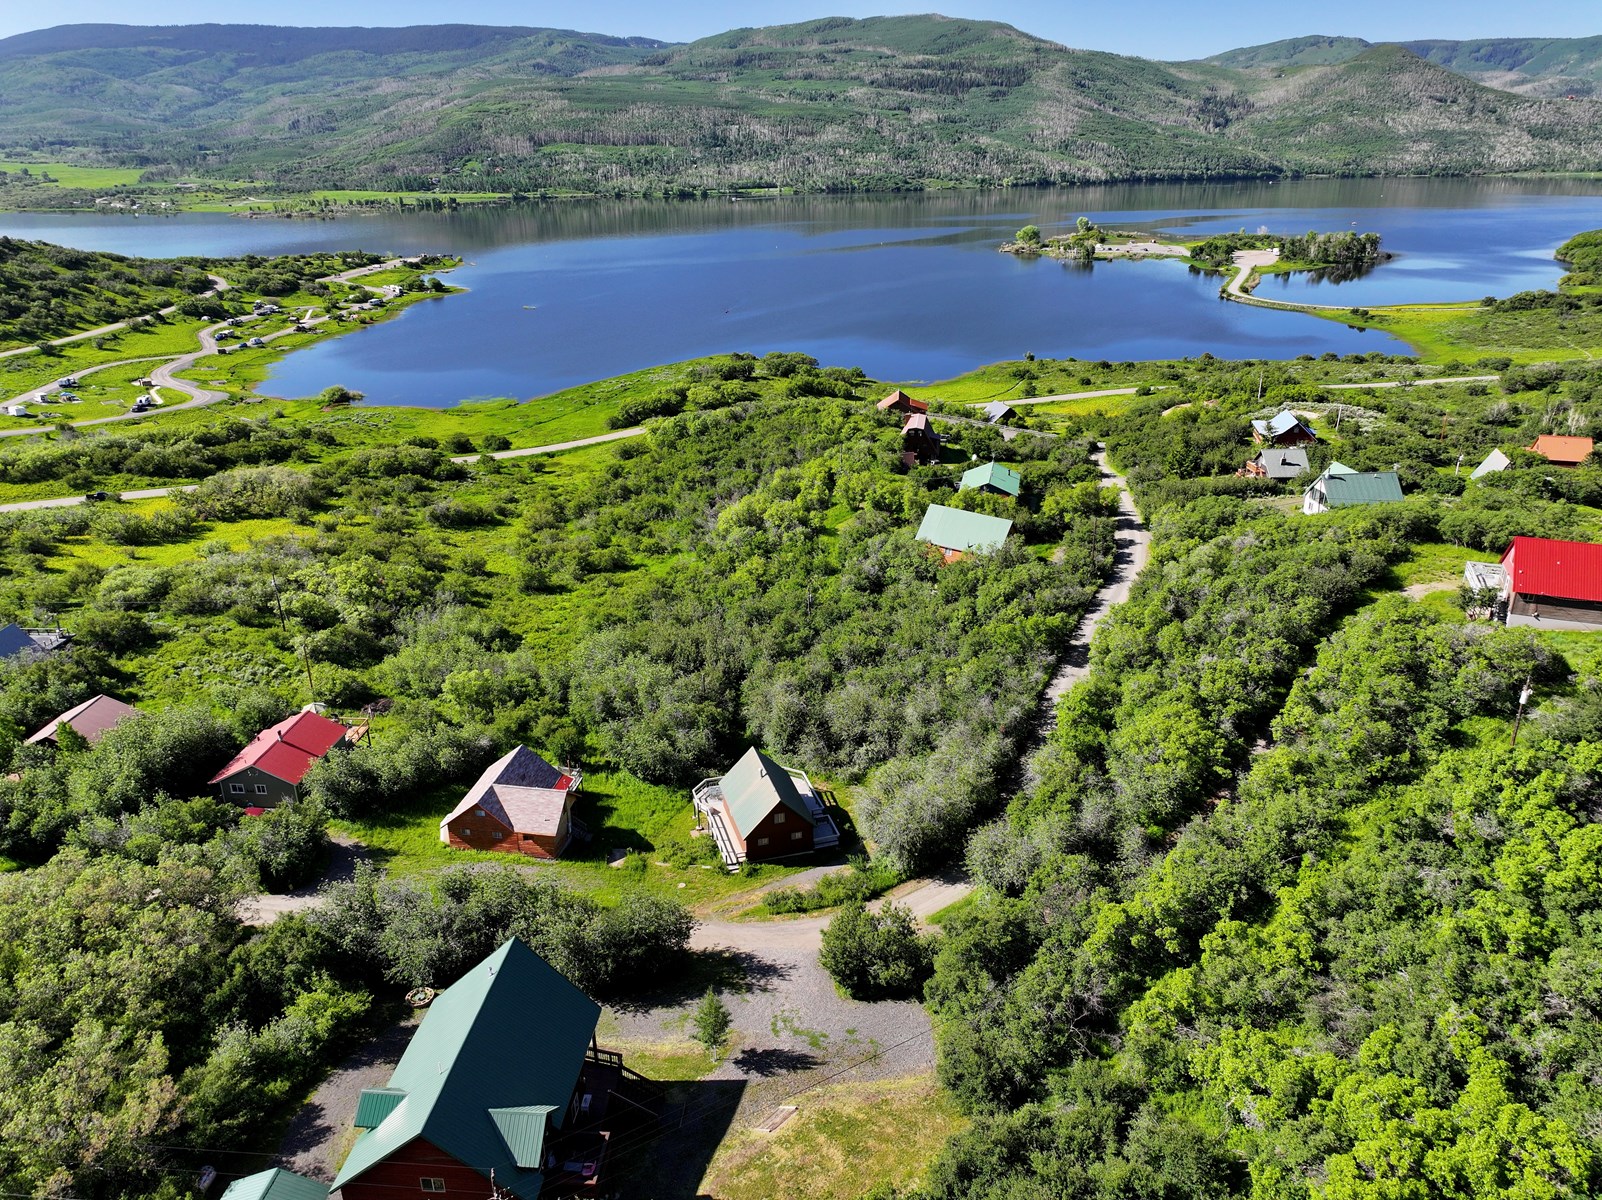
(828, 105)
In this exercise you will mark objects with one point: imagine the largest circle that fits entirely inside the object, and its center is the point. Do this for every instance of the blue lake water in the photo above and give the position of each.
(910, 288)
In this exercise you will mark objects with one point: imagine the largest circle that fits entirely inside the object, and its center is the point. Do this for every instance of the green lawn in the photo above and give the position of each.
(66, 175)
(1441, 332)
(1435, 562)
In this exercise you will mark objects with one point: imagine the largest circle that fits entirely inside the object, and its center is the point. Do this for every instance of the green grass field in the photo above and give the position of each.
(67, 175)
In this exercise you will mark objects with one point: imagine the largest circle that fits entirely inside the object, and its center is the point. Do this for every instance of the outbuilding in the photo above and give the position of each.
(521, 804)
(759, 810)
(1551, 584)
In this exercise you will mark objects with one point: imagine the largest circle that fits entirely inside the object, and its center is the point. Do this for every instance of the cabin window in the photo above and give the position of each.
(237, 789)
(431, 1183)
(778, 818)
(478, 812)
(797, 835)
(261, 789)
(762, 841)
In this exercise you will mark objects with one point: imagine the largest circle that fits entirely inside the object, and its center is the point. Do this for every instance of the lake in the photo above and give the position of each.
(910, 288)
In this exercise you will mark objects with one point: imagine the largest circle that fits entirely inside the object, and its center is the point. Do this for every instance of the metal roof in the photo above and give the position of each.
(520, 790)
(997, 409)
(511, 1033)
(1561, 570)
(90, 720)
(755, 786)
(1279, 424)
(1567, 450)
(523, 1131)
(14, 639)
(275, 1183)
(374, 1104)
(1282, 462)
(958, 529)
(287, 750)
(1494, 461)
(1347, 487)
(1003, 479)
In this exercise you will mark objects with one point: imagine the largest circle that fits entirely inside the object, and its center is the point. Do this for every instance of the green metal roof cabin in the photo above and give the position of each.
(993, 476)
(275, 1183)
(957, 531)
(1341, 487)
(498, 1066)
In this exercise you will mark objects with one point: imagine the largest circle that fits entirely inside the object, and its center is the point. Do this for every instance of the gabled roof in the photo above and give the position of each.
(1562, 570)
(997, 409)
(1494, 461)
(287, 750)
(1345, 486)
(1282, 462)
(523, 1131)
(755, 786)
(1563, 449)
(522, 791)
(958, 529)
(275, 1183)
(374, 1104)
(89, 720)
(1003, 479)
(509, 1035)
(900, 400)
(916, 423)
(1280, 424)
(14, 639)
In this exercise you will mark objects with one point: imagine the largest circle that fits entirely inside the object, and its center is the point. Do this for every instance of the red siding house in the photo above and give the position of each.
(268, 772)
(520, 804)
(502, 1080)
(1553, 585)
(761, 811)
(920, 445)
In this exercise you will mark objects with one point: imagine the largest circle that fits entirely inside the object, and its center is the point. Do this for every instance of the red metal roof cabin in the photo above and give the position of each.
(1563, 451)
(1553, 584)
(270, 769)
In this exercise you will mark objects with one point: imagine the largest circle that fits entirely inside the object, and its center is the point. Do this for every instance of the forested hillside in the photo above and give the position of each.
(835, 104)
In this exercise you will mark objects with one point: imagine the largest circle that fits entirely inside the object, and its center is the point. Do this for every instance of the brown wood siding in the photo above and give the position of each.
(485, 833)
(1552, 608)
(778, 834)
(400, 1176)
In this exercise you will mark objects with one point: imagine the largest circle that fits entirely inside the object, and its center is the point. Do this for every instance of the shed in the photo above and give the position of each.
(521, 804)
(1494, 461)
(1563, 451)
(1341, 487)
(501, 1079)
(759, 810)
(89, 720)
(269, 770)
(275, 1183)
(957, 531)
(992, 477)
(1553, 584)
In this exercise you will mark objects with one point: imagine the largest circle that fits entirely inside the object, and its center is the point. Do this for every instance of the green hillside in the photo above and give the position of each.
(827, 105)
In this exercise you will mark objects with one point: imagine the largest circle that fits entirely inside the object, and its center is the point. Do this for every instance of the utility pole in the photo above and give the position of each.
(1524, 698)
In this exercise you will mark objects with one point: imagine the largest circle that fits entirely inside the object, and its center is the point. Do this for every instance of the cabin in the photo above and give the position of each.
(1341, 487)
(90, 720)
(275, 1183)
(1549, 584)
(956, 531)
(503, 1080)
(269, 771)
(998, 411)
(1494, 461)
(920, 445)
(521, 804)
(1284, 428)
(993, 478)
(760, 811)
(1563, 451)
(899, 401)
(1276, 463)
(16, 641)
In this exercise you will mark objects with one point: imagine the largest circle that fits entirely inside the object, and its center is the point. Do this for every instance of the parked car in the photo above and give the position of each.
(255, 342)
(97, 496)
(68, 382)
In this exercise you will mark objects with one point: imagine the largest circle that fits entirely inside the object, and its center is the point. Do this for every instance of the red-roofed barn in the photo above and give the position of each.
(269, 770)
(520, 804)
(1552, 584)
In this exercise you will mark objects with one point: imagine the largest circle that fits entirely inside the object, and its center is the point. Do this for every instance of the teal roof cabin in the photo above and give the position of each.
(501, 1076)
(957, 531)
(992, 477)
(1341, 487)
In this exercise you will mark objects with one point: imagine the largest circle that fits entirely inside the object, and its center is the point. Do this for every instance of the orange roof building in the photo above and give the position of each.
(899, 401)
(1563, 451)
